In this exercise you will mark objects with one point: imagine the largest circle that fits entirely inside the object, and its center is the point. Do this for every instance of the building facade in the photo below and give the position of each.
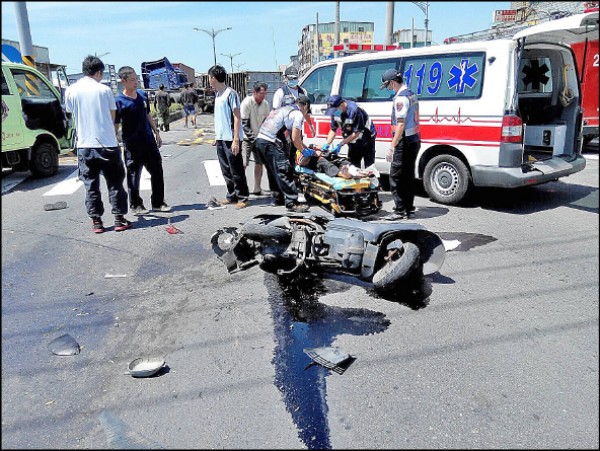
(317, 40)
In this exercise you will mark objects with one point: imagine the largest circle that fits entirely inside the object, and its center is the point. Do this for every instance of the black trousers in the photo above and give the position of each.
(138, 156)
(402, 174)
(279, 171)
(232, 167)
(92, 162)
(363, 149)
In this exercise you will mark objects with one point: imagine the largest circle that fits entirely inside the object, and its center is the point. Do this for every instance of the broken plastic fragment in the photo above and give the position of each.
(64, 345)
(115, 276)
(332, 358)
(173, 230)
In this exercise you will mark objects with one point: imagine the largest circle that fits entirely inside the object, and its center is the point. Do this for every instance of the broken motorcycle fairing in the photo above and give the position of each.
(381, 253)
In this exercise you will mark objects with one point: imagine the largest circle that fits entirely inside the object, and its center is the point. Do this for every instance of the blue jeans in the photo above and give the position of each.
(93, 161)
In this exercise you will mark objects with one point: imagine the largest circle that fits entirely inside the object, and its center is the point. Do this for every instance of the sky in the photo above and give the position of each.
(265, 34)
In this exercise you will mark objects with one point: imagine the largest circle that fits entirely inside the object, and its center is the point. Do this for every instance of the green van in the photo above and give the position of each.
(35, 127)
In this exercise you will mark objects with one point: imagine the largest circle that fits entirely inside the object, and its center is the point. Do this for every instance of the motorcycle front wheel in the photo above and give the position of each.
(397, 268)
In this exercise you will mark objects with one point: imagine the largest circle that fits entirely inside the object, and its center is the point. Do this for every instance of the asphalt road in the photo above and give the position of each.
(502, 353)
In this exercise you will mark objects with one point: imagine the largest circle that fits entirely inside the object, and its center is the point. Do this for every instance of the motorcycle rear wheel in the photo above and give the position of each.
(394, 271)
(261, 232)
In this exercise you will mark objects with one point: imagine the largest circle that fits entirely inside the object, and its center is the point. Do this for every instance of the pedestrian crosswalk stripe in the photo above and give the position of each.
(145, 181)
(67, 186)
(213, 171)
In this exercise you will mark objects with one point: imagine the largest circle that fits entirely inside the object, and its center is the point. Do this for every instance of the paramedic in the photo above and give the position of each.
(358, 131)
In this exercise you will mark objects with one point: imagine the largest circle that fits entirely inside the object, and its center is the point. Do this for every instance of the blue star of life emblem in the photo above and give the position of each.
(462, 76)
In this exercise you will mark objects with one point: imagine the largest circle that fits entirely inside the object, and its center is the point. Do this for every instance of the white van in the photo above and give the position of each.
(501, 113)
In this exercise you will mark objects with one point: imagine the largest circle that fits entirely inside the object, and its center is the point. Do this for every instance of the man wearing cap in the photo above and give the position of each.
(358, 131)
(270, 144)
(287, 95)
(405, 144)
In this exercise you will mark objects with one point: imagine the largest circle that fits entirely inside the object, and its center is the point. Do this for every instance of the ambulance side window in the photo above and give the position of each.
(361, 80)
(445, 77)
(318, 84)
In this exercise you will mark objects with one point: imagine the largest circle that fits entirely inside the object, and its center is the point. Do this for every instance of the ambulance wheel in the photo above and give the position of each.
(261, 232)
(44, 160)
(446, 179)
(397, 268)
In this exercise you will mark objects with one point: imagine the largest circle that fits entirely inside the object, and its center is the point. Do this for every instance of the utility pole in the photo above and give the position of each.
(424, 6)
(336, 27)
(389, 23)
(24, 33)
(231, 58)
(212, 33)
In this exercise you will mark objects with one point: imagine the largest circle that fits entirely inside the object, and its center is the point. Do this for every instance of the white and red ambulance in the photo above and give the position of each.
(499, 113)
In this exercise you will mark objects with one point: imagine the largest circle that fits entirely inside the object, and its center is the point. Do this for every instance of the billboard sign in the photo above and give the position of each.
(505, 15)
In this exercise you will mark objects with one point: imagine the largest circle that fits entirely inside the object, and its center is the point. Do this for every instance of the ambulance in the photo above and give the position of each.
(500, 113)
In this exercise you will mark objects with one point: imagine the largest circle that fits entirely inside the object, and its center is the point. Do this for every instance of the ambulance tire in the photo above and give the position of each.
(44, 159)
(446, 179)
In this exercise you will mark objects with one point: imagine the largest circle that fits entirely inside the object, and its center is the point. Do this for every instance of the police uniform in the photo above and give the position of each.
(402, 169)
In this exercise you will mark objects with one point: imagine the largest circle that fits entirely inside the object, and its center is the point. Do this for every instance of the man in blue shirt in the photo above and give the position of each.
(141, 139)
(358, 131)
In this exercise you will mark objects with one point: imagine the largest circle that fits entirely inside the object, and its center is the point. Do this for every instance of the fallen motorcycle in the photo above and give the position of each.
(381, 253)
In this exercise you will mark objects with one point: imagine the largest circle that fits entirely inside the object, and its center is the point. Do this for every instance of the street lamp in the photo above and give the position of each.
(100, 56)
(231, 58)
(424, 6)
(212, 33)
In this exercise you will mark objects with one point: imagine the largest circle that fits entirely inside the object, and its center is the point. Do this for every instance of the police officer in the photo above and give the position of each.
(358, 131)
(270, 145)
(405, 145)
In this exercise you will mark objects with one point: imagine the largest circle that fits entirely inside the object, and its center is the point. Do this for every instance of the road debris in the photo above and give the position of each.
(331, 358)
(114, 276)
(55, 206)
(144, 367)
(64, 345)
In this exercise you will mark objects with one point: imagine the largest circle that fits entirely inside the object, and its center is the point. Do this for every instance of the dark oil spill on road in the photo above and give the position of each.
(301, 321)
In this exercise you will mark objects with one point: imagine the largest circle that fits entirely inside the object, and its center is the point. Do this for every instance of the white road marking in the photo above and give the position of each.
(590, 156)
(9, 181)
(213, 171)
(144, 181)
(67, 186)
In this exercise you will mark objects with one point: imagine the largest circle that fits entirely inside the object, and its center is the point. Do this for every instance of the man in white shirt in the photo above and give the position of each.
(254, 110)
(270, 144)
(94, 108)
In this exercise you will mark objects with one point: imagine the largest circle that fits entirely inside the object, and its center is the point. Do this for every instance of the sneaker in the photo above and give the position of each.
(139, 210)
(296, 207)
(227, 202)
(97, 226)
(163, 208)
(241, 204)
(121, 223)
(395, 216)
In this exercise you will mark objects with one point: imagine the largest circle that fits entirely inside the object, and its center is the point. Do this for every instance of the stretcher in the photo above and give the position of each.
(358, 196)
